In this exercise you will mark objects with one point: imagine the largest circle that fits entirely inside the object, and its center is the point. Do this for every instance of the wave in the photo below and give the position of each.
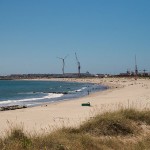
(79, 90)
(5, 102)
(49, 96)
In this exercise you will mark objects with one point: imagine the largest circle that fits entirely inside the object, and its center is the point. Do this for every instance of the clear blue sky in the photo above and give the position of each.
(106, 34)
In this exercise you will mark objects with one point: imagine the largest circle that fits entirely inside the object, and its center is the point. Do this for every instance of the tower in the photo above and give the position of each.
(63, 63)
(78, 64)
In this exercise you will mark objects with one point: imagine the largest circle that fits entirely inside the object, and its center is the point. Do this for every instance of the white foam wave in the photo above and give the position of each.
(53, 95)
(79, 90)
(5, 102)
(49, 96)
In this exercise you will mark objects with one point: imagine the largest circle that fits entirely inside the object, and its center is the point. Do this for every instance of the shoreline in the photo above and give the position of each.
(83, 91)
(123, 93)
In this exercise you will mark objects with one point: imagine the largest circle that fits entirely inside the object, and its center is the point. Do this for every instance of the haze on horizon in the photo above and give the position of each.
(105, 34)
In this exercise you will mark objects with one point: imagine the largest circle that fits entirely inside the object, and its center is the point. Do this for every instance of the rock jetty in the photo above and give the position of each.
(13, 107)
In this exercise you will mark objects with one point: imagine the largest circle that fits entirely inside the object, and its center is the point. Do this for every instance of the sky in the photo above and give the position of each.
(105, 34)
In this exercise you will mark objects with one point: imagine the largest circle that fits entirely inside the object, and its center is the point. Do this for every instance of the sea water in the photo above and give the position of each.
(32, 93)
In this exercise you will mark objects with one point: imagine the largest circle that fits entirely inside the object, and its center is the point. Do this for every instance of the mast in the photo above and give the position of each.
(78, 64)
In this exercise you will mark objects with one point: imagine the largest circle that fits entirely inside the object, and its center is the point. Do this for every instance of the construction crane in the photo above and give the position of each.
(144, 71)
(78, 64)
(63, 63)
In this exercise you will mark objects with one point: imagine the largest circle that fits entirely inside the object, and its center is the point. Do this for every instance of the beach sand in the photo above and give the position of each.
(123, 93)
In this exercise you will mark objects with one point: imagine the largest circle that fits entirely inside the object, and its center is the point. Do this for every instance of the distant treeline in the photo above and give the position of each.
(67, 75)
(40, 76)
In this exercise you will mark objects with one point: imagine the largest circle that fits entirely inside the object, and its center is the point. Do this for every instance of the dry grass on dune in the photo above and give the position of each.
(112, 130)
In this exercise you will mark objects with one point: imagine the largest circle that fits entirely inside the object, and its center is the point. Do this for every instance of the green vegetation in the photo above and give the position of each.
(124, 129)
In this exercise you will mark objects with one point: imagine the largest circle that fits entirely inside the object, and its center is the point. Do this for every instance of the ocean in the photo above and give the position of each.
(33, 93)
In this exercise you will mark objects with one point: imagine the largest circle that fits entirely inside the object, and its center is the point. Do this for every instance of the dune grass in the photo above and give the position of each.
(122, 129)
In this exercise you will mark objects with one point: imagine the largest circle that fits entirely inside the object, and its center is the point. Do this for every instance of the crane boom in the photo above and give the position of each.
(78, 64)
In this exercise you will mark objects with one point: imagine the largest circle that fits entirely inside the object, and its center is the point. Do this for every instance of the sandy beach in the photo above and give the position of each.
(123, 93)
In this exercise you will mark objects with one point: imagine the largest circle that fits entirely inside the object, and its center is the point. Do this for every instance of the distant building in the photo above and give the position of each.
(100, 75)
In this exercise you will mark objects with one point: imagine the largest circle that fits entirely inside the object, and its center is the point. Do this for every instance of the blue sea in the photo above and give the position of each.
(33, 93)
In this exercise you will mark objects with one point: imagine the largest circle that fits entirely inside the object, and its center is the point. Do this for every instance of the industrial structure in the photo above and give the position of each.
(63, 63)
(78, 64)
